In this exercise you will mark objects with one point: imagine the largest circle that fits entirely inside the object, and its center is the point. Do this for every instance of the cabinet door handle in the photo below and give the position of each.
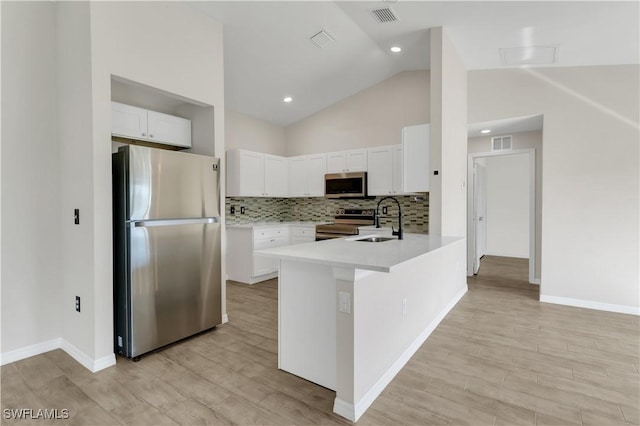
(144, 134)
(150, 135)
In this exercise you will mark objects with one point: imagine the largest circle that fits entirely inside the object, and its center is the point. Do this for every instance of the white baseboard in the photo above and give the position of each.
(29, 351)
(345, 409)
(50, 345)
(225, 318)
(499, 254)
(535, 281)
(354, 411)
(621, 309)
(84, 359)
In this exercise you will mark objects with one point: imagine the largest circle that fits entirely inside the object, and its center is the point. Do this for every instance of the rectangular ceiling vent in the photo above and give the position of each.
(385, 14)
(322, 39)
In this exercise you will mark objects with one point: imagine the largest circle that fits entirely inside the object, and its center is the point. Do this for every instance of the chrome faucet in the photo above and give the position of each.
(393, 231)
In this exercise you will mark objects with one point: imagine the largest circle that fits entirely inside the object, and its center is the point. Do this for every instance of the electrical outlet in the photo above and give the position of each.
(77, 303)
(232, 210)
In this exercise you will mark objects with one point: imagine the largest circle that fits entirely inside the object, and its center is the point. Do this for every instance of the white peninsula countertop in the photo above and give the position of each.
(351, 253)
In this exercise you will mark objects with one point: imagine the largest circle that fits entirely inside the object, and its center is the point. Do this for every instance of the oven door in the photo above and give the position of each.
(345, 185)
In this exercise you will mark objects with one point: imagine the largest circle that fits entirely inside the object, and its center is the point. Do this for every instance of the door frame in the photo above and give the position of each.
(478, 170)
(471, 207)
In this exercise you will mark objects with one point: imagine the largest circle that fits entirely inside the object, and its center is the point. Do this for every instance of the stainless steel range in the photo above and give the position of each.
(346, 223)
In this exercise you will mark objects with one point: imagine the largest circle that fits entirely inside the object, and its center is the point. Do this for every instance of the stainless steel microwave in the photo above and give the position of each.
(345, 185)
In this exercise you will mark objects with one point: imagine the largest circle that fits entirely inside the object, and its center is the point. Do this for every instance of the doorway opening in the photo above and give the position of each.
(504, 195)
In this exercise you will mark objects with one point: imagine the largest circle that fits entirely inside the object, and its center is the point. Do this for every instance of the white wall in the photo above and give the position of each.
(448, 193)
(245, 132)
(591, 164)
(30, 171)
(373, 117)
(507, 200)
(76, 177)
(60, 151)
(523, 140)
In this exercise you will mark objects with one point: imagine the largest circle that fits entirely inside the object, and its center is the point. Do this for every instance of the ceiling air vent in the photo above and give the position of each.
(385, 14)
(322, 39)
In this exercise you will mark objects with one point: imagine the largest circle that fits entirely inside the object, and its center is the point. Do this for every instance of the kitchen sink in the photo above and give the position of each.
(375, 239)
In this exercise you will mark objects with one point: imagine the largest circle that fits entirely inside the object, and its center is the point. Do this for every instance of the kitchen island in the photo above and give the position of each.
(352, 313)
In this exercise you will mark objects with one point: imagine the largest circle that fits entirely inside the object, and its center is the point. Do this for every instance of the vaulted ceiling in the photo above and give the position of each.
(269, 55)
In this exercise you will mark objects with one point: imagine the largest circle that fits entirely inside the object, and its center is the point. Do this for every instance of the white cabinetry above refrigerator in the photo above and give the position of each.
(141, 124)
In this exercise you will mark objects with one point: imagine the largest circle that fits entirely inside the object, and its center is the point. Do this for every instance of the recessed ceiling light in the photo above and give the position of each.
(396, 49)
(288, 99)
(485, 131)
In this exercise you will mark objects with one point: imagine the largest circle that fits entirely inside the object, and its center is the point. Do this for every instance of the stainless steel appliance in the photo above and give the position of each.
(345, 185)
(346, 223)
(167, 282)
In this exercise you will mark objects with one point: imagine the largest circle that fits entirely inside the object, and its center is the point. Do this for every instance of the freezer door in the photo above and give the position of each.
(168, 185)
(174, 281)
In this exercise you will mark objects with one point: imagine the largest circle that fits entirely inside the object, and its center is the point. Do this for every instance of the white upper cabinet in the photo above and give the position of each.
(169, 129)
(306, 175)
(275, 176)
(354, 160)
(416, 158)
(298, 176)
(138, 123)
(385, 170)
(254, 174)
(316, 169)
(245, 173)
(128, 121)
(398, 169)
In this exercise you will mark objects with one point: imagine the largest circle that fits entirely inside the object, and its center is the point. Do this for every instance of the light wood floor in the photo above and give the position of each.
(499, 358)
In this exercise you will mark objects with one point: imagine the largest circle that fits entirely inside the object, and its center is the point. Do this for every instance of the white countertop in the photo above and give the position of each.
(349, 253)
(249, 225)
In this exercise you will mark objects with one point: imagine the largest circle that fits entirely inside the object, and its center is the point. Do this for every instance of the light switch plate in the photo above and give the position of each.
(344, 302)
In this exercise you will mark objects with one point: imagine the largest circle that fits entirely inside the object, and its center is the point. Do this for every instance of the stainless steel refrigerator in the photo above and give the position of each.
(167, 282)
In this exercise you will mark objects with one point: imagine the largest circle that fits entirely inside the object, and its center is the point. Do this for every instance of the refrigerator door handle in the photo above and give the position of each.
(169, 222)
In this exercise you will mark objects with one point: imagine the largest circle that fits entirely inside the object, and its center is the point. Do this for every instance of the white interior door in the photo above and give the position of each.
(480, 212)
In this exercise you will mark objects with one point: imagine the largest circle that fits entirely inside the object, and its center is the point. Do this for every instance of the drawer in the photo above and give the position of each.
(265, 243)
(303, 232)
(300, 240)
(263, 233)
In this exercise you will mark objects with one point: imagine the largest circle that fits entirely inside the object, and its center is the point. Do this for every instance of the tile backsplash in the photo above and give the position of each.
(415, 210)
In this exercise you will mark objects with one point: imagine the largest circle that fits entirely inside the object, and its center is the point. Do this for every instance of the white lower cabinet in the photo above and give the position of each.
(245, 267)
(303, 234)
